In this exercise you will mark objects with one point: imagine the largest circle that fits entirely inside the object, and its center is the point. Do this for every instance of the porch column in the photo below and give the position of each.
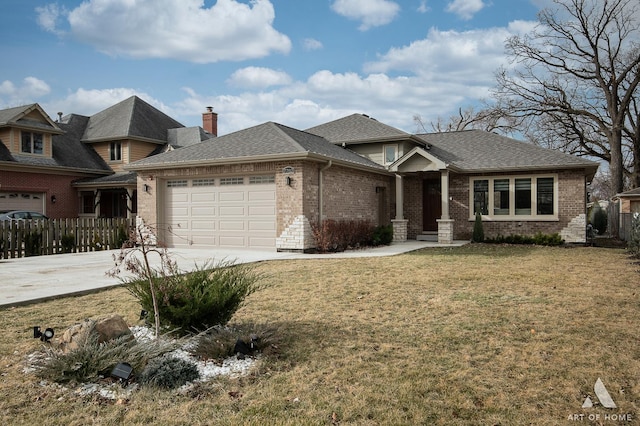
(399, 223)
(445, 223)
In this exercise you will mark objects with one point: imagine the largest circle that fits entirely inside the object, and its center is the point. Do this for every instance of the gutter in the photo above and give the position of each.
(321, 190)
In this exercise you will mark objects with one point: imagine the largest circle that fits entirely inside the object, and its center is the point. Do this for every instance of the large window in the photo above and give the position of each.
(32, 143)
(509, 198)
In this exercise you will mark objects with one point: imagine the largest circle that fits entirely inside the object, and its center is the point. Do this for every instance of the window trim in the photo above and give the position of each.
(511, 216)
(32, 142)
(396, 151)
(115, 152)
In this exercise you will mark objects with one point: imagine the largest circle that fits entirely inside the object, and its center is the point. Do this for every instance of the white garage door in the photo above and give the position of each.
(33, 202)
(228, 212)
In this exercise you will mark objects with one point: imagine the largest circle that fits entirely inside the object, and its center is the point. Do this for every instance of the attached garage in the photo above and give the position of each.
(33, 202)
(221, 212)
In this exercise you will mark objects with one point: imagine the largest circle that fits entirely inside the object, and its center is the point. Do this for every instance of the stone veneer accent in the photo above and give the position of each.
(445, 231)
(399, 230)
(576, 230)
(297, 236)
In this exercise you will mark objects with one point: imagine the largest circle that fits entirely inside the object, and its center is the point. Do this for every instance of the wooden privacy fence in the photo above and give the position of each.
(20, 238)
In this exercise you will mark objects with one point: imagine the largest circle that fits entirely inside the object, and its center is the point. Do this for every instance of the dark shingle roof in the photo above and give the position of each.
(132, 118)
(265, 140)
(356, 127)
(116, 178)
(631, 193)
(477, 150)
(69, 151)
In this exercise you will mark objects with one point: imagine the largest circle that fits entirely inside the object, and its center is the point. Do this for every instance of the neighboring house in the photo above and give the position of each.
(75, 166)
(629, 201)
(265, 186)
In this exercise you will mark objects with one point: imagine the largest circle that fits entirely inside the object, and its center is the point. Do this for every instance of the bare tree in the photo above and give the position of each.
(575, 81)
(486, 118)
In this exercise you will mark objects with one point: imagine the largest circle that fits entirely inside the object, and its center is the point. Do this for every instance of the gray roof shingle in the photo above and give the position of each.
(265, 140)
(132, 118)
(478, 150)
(356, 127)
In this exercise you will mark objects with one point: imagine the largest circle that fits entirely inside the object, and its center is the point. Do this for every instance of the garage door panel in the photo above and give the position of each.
(262, 211)
(233, 216)
(231, 196)
(262, 225)
(22, 201)
(261, 195)
(208, 212)
(232, 211)
(208, 197)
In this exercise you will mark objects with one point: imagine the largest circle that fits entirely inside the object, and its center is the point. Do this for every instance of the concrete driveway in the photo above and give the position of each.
(33, 279)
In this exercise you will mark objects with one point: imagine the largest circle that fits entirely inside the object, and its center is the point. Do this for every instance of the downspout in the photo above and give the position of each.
(321, 190)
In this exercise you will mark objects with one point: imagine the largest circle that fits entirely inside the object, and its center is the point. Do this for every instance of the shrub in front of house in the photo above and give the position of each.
(539, 239)
(68, 242)
(33, 244)
(339, 235)
(478, 229)
(382, 235)
(200, 299)
(599, 218)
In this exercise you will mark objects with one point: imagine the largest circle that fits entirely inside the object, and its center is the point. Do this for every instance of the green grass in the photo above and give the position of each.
(481, 334)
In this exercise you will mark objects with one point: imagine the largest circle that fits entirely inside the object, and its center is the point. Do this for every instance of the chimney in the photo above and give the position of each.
(210, 121)
(60, 117)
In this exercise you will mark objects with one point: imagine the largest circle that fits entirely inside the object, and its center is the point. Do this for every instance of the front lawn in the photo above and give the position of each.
(482, 334)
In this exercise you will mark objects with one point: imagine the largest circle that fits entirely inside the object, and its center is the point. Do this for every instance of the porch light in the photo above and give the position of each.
(146, 188)
(288, 180)
(44, 336)
(53, 199)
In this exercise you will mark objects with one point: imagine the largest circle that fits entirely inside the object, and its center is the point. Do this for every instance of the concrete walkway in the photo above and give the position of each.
(33, 279)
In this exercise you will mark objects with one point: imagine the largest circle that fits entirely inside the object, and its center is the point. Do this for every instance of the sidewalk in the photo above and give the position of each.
(33, 279)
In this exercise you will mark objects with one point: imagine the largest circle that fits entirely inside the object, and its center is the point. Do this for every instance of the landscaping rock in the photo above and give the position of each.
(107, 328)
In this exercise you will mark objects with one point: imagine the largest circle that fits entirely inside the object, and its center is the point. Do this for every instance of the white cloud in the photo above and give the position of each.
(372, 13)
(28, 92)
(90, 101)
(48, 17)
(423, 8)
(176, 29)
(469, 57)
(258, 77)
(311, 44)
(465, 9)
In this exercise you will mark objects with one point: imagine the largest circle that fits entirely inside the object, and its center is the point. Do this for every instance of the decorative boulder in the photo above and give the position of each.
(107, 328)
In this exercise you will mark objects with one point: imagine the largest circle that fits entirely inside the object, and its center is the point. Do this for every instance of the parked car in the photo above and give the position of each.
(21, 215)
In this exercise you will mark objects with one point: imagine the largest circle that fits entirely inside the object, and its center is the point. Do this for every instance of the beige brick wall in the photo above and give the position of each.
(348, 193)
(571, 204)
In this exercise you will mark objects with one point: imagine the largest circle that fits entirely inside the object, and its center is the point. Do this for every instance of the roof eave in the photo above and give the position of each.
(53, 169)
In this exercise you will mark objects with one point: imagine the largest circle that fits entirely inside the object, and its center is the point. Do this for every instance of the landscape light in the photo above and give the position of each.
(46, 336)
(143, 314)
(122, 372)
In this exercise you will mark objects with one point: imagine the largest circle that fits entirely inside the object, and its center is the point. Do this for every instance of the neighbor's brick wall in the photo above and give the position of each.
(571, 204)
(67, 202)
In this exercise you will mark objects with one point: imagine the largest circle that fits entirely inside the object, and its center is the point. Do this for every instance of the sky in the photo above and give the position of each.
(295, 62)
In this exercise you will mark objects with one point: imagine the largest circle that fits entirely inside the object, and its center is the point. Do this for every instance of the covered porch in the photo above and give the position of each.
(427, 192)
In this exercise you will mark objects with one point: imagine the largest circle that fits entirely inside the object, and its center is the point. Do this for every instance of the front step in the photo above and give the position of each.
(431, 236)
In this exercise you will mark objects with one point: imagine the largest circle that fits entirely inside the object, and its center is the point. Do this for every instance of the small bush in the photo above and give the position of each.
(382, 235)
(92, 359)
(122, 237)
(169, 372)
(599, 218)
(219, 342)
(538, 239)
(33, 244)
(335, 236)
(197, 300)
(68, 243)
(478, 229)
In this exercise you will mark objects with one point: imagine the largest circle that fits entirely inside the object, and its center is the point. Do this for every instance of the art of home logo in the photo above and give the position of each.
(602, 396)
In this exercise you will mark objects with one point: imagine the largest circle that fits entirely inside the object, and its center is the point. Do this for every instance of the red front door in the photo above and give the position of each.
(431, 204)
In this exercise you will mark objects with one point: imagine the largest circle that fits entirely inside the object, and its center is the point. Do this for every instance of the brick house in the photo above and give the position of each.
(264, 186)
(74, 166)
